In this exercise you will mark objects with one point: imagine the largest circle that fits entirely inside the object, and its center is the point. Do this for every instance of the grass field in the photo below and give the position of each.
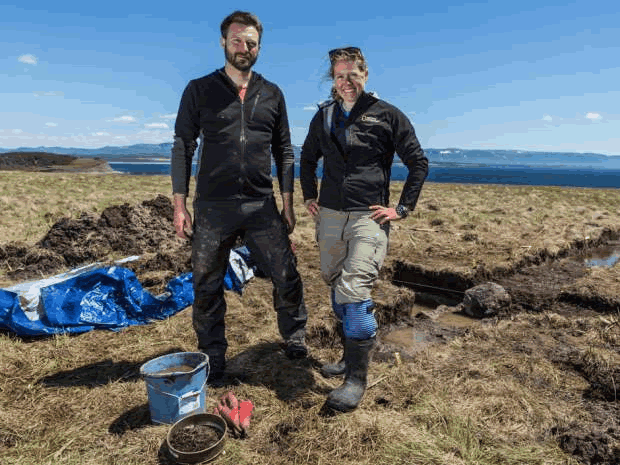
(536, 385)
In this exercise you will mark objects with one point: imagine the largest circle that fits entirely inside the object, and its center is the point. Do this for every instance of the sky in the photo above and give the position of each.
(529, 75)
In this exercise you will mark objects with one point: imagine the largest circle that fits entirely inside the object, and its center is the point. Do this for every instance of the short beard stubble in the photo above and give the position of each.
(233, 60)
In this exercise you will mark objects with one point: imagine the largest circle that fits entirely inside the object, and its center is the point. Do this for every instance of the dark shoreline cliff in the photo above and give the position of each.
(49, 162)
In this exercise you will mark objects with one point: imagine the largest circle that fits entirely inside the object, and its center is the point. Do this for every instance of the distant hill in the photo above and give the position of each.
(437, 157)
(41, 161)
(150, 150)
(520, 158)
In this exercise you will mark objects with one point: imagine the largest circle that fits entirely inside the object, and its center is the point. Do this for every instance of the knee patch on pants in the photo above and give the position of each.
(337, 308)
(359, 320)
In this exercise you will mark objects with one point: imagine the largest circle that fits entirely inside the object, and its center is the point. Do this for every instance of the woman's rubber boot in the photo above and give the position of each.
(348, 396)
(331, 370)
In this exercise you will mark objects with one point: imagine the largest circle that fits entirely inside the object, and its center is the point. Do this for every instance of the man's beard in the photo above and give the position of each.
(238, 63)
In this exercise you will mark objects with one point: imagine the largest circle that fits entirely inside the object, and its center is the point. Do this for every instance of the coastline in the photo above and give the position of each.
(484, 172)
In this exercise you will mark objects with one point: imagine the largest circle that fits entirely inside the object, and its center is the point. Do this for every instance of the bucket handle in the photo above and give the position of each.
(184, 396)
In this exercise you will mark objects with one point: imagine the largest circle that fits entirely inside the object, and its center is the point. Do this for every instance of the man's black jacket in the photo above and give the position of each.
(358, 175)
(237, 139)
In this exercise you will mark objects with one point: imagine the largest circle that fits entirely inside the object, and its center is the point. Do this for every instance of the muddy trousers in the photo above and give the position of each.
(217, 225)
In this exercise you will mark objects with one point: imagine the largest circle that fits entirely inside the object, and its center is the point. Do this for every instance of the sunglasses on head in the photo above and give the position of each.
(352, 50)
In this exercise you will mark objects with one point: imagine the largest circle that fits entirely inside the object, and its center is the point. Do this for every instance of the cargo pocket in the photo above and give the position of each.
(381, 245)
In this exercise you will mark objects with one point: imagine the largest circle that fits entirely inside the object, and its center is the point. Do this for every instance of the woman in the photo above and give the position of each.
(356, 134)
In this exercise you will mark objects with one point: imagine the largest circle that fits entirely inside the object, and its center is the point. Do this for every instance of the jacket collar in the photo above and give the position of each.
(363, 102)
(331, 101)
(251, 85)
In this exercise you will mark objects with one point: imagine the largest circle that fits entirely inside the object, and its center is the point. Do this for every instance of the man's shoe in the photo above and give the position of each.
(296, 349)
(217, 366)
(217, 379)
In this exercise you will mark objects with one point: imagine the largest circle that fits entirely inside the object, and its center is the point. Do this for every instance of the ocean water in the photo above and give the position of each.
(500, 174)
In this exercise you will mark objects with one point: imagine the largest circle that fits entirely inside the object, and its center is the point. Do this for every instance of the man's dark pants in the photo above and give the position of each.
(217, 225)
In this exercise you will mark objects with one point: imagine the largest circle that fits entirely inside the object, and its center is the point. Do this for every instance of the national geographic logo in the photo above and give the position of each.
(369, 119)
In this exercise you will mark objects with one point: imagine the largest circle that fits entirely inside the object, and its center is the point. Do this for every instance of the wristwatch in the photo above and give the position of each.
(402, 211)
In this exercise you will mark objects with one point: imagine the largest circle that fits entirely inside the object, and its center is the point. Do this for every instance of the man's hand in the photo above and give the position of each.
(288, 213)
(312, 206)
(383, 214)
(182, 219)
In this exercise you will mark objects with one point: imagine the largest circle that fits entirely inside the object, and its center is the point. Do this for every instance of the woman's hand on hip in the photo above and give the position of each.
(383, 214)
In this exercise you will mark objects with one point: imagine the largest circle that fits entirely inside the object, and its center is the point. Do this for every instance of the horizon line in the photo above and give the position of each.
(298, 145)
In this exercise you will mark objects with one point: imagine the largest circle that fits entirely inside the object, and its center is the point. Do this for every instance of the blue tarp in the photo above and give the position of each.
(102, 297)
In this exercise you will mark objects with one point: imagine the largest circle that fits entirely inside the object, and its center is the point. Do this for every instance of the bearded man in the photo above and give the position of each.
(242, 122)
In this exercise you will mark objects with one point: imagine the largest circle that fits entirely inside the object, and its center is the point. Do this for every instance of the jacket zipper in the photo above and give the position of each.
(242, 140)
(254, 106)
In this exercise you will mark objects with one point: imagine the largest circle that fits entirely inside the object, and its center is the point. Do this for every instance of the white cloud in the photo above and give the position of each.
(169, 116)
(593, 116)
(153, 137)
(156, 126)
(125, 119)
(28, 59)
(49, 93)
(11, 138)
(310, 108)
(547, 118)
(51, 125)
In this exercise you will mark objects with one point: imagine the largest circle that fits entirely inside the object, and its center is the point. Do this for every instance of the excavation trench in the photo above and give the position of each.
(423, 308)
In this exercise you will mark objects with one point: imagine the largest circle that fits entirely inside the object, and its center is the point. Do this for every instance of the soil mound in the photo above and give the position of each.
(120, 231)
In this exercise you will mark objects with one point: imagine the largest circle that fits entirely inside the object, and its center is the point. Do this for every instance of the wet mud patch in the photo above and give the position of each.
(406, 327)
(145, 230)
(396, 343)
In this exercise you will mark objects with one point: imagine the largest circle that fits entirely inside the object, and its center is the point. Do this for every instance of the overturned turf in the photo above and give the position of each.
(145, 230)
